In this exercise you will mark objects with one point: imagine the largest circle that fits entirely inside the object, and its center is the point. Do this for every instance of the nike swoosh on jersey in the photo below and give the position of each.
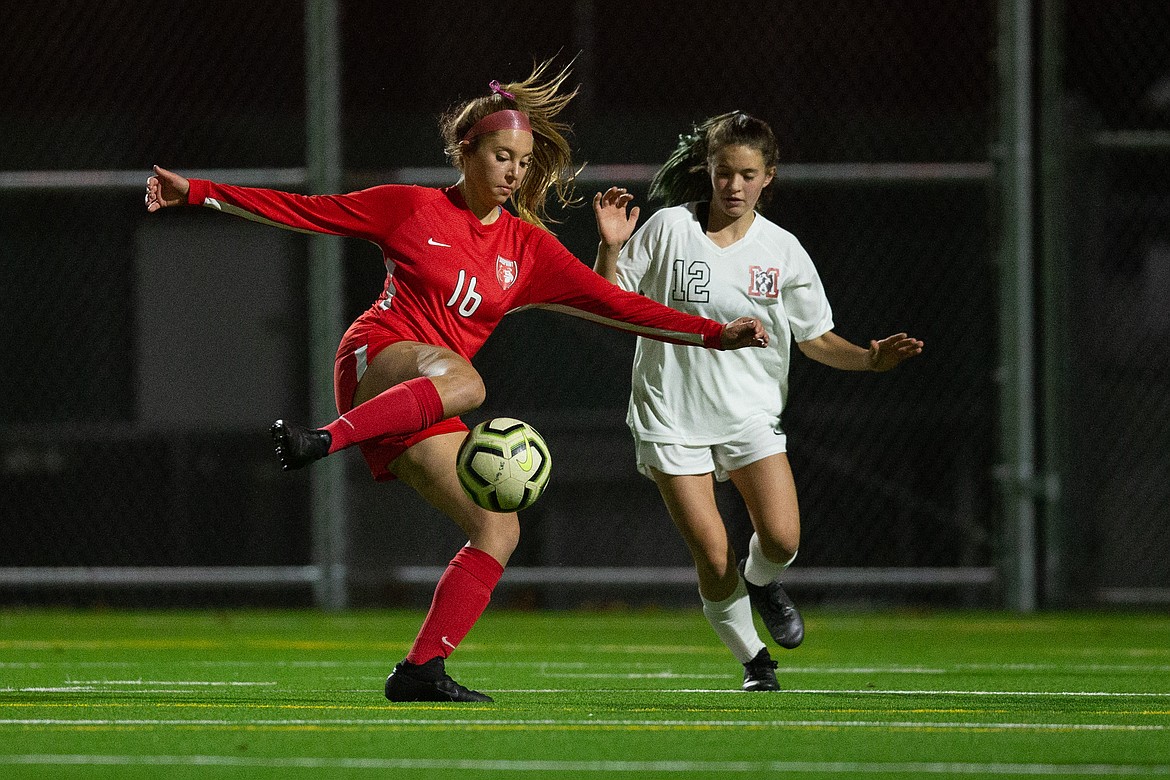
(433, 242)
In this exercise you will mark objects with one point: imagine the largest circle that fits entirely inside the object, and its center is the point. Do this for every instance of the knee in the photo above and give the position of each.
(780, 548)
(713, 567)
(474, 392)
(497, 534)
(461, 392)
(718, 579)
(506, 530)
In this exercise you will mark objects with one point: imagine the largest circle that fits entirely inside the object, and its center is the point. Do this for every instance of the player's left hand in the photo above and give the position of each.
(892, 350)
(744, 332)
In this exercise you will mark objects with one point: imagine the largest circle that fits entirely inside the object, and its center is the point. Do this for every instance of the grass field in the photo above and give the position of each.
(615, 695)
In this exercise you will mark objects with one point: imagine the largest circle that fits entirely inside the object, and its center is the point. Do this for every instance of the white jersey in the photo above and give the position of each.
(683, 395)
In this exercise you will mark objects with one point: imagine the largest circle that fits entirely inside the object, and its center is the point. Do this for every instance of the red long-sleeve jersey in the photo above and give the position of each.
(449, 278)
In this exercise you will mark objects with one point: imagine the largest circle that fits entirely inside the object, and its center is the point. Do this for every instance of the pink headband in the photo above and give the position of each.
(508, 119)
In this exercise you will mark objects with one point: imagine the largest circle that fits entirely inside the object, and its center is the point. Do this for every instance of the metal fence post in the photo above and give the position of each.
(1016, 475)
(1061, 560)
(326, 291)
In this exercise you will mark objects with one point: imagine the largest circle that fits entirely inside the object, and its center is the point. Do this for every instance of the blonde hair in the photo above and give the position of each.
(540, 100)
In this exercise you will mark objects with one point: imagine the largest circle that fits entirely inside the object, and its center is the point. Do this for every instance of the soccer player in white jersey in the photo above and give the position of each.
(698, 415)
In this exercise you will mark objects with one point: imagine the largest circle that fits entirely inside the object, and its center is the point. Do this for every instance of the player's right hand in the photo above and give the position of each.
(165, 188)
(744, 332)
(614, 223)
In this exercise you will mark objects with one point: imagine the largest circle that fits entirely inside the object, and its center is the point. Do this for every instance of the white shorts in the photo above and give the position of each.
(749, 446)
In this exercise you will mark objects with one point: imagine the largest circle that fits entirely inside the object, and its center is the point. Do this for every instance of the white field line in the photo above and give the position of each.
(168, 682)
(850, 692)
(706, 768)
(553, 724)
(93, 689)
(635, 676)
(273, 664)
(135, 686)
(723, 675)
(1107, 694)
(540, 665)
(1062, 667)
(547, 665)
(737, 691)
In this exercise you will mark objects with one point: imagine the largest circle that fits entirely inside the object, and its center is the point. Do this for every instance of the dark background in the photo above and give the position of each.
(141, 359)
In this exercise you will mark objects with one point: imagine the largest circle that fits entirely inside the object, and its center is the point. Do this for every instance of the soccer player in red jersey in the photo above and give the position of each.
(456, 263)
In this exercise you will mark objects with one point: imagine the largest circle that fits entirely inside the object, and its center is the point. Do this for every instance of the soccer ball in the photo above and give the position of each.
(503, 465)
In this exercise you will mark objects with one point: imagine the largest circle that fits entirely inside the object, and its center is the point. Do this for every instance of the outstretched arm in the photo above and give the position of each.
(371, 214)
(834, 351)
(566, 285)
(614, 226)
(165, 188)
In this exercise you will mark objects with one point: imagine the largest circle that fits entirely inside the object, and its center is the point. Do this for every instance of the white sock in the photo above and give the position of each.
(732, 621)
(758, 570)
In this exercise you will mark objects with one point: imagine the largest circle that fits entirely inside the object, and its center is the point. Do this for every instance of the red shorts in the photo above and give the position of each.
(366, 338)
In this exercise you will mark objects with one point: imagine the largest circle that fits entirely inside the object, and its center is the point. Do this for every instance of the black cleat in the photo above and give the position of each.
(297, 446)
(759, 674)
(427, 682)
(776, 609)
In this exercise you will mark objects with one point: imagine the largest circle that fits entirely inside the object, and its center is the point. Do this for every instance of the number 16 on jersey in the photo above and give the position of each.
(471, 299)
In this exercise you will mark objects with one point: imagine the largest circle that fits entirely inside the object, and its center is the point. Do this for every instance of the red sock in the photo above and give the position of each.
(461, 596)
(403, 409)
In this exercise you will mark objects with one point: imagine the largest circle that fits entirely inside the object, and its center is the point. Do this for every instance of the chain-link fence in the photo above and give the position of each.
(135, 351)
(143, 357)
(1116, 106)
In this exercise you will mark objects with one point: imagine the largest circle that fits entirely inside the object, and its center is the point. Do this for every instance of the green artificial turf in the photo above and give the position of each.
(579, 694)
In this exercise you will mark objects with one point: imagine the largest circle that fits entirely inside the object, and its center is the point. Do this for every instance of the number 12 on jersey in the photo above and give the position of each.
(690, 281)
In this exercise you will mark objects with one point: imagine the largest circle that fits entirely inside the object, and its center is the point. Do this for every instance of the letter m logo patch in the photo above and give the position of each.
(764, 282)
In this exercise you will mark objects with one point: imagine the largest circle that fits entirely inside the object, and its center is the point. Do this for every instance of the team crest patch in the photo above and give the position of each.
(764, 282)
(505, 272)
